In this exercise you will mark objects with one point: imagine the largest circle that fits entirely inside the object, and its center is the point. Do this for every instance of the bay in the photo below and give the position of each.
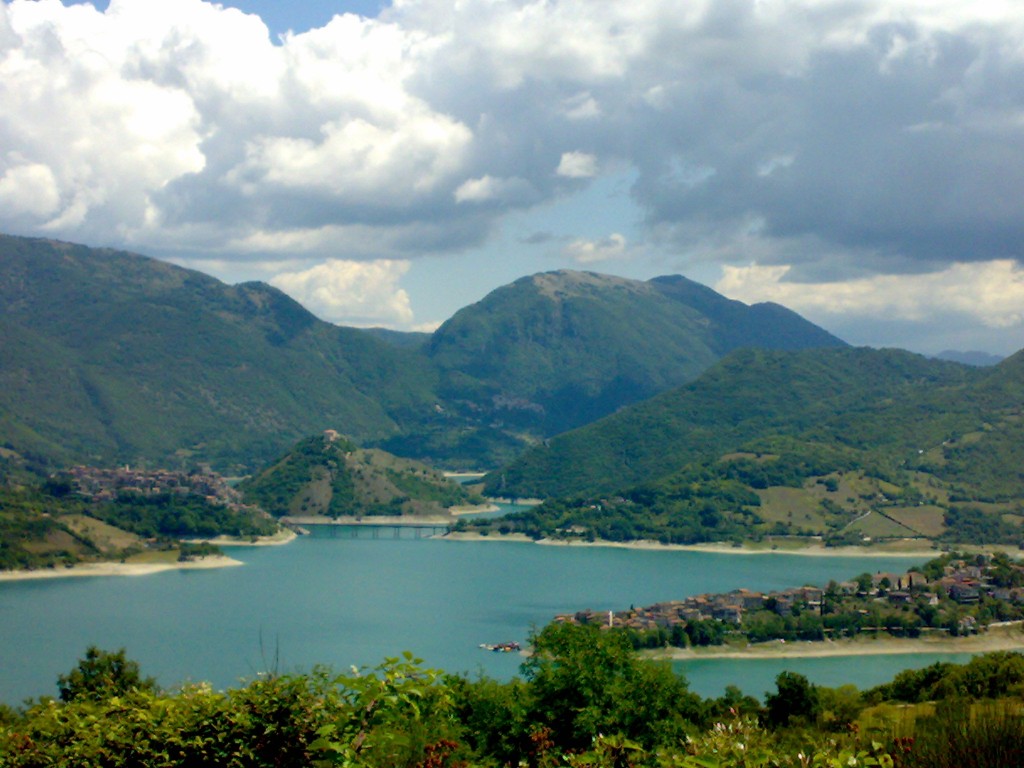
(341, 600)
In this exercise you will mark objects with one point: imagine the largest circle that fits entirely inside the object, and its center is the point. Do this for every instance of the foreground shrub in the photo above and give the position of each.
(964, 734)
(102, 674)
(744, 743)
(393, 715)
(584, 683)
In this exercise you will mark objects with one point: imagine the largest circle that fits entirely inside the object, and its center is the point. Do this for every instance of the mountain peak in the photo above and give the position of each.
(564, 283)
(567, 347)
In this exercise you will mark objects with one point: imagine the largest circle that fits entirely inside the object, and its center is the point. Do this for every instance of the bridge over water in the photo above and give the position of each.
(374, 526)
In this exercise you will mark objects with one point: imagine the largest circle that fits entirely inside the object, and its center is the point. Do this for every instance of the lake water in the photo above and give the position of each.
(342, 601)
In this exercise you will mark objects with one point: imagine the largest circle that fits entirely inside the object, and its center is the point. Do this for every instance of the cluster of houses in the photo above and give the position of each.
(101, 484)
(962, 582)
(728, 607)
(966, 583)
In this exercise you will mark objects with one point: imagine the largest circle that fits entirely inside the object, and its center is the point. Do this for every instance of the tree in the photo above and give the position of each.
(583, 682)
(706, 632)
(103, 675)
(795, 698)
(838, 707)
(734, 703)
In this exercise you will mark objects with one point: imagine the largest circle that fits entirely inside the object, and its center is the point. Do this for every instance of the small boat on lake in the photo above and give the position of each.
(509, 647)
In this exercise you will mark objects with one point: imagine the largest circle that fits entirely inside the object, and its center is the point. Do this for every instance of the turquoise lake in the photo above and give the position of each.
(343, 601)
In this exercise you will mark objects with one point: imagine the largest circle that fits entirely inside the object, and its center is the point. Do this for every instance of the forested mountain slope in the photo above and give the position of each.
(845, 396)
(557, 350)
(109, 356)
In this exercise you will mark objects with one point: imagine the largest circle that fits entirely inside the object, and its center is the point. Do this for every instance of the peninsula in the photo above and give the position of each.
(952, 596)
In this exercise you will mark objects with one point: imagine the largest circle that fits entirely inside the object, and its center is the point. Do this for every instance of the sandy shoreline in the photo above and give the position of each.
(287, 535)
(283, 536)
(474, 509)
(112, 568)
(1004, 638)
(718, 549)
(119, 569)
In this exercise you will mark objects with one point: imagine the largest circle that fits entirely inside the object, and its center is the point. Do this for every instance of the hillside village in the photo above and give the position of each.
(952, 594)
(104, 484)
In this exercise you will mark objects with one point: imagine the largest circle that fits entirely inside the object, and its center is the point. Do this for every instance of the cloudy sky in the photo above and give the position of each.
(860, 161)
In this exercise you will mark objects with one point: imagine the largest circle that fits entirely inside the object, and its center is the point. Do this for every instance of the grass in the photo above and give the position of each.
(879, 527)
(315, 497)
(154, 557)
(793, 506)
(964, 734)
(55, 541)
(928, 520)
(106, 537)
(931, 487)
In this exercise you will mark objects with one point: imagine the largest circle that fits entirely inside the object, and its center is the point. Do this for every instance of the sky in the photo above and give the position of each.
(387, 163)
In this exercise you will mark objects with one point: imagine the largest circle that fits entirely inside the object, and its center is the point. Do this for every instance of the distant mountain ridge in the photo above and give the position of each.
(975, 358)
(736, 325)
(559, 349)
(111, 357)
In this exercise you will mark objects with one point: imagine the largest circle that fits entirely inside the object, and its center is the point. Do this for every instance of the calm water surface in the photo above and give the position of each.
(345, 601)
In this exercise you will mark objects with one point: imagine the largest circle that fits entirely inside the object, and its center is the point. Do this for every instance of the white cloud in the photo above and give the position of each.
(991, 293)
(350, 292)
(773, 164)
(881, 127)
(594, 251)
(488, 188)
(428, 327)
(182, 123)
(99, 136)
(357, 163)
(29, 189)
(577, 165)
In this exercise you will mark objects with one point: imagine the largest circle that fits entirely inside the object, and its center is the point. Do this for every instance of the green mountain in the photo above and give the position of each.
(113, 357)
(330, 476)
(110, 357)
(557, 350)
(841, 443)
(751, 394)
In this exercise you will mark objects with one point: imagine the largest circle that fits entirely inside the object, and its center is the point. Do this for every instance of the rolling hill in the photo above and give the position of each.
(838, 443)
(751, 394)
(109, 357)
(330, 476)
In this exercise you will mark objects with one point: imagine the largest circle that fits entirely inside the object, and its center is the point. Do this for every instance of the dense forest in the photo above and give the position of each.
(583, 699)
